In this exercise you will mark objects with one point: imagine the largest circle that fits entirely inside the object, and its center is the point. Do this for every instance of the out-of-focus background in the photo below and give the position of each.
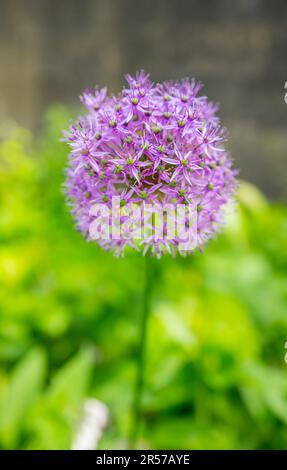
(51, 50)
(216, 373)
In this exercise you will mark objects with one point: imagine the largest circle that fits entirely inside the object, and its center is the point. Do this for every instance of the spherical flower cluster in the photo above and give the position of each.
(151, 144)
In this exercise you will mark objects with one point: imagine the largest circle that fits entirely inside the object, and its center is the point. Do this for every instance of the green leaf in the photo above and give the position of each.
(70, 383)
(24, 385)
(53, 421)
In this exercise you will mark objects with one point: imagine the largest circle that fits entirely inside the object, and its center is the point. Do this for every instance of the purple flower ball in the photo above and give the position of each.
(153, 145)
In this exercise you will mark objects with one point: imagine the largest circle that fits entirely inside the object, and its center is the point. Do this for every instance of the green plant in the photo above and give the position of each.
(215, 377)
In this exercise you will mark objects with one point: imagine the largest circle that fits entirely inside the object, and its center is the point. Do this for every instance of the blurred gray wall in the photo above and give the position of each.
(50, 50)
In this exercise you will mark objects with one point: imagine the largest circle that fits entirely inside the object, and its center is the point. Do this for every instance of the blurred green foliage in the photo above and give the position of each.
(216, 376)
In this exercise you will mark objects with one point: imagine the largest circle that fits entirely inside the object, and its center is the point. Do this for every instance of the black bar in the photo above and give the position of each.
(126, 459)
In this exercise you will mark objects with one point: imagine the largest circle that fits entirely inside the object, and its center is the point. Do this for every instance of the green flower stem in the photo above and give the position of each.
(141, 356)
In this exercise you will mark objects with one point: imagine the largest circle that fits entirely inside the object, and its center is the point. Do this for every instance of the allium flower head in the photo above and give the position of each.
(153, 146)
